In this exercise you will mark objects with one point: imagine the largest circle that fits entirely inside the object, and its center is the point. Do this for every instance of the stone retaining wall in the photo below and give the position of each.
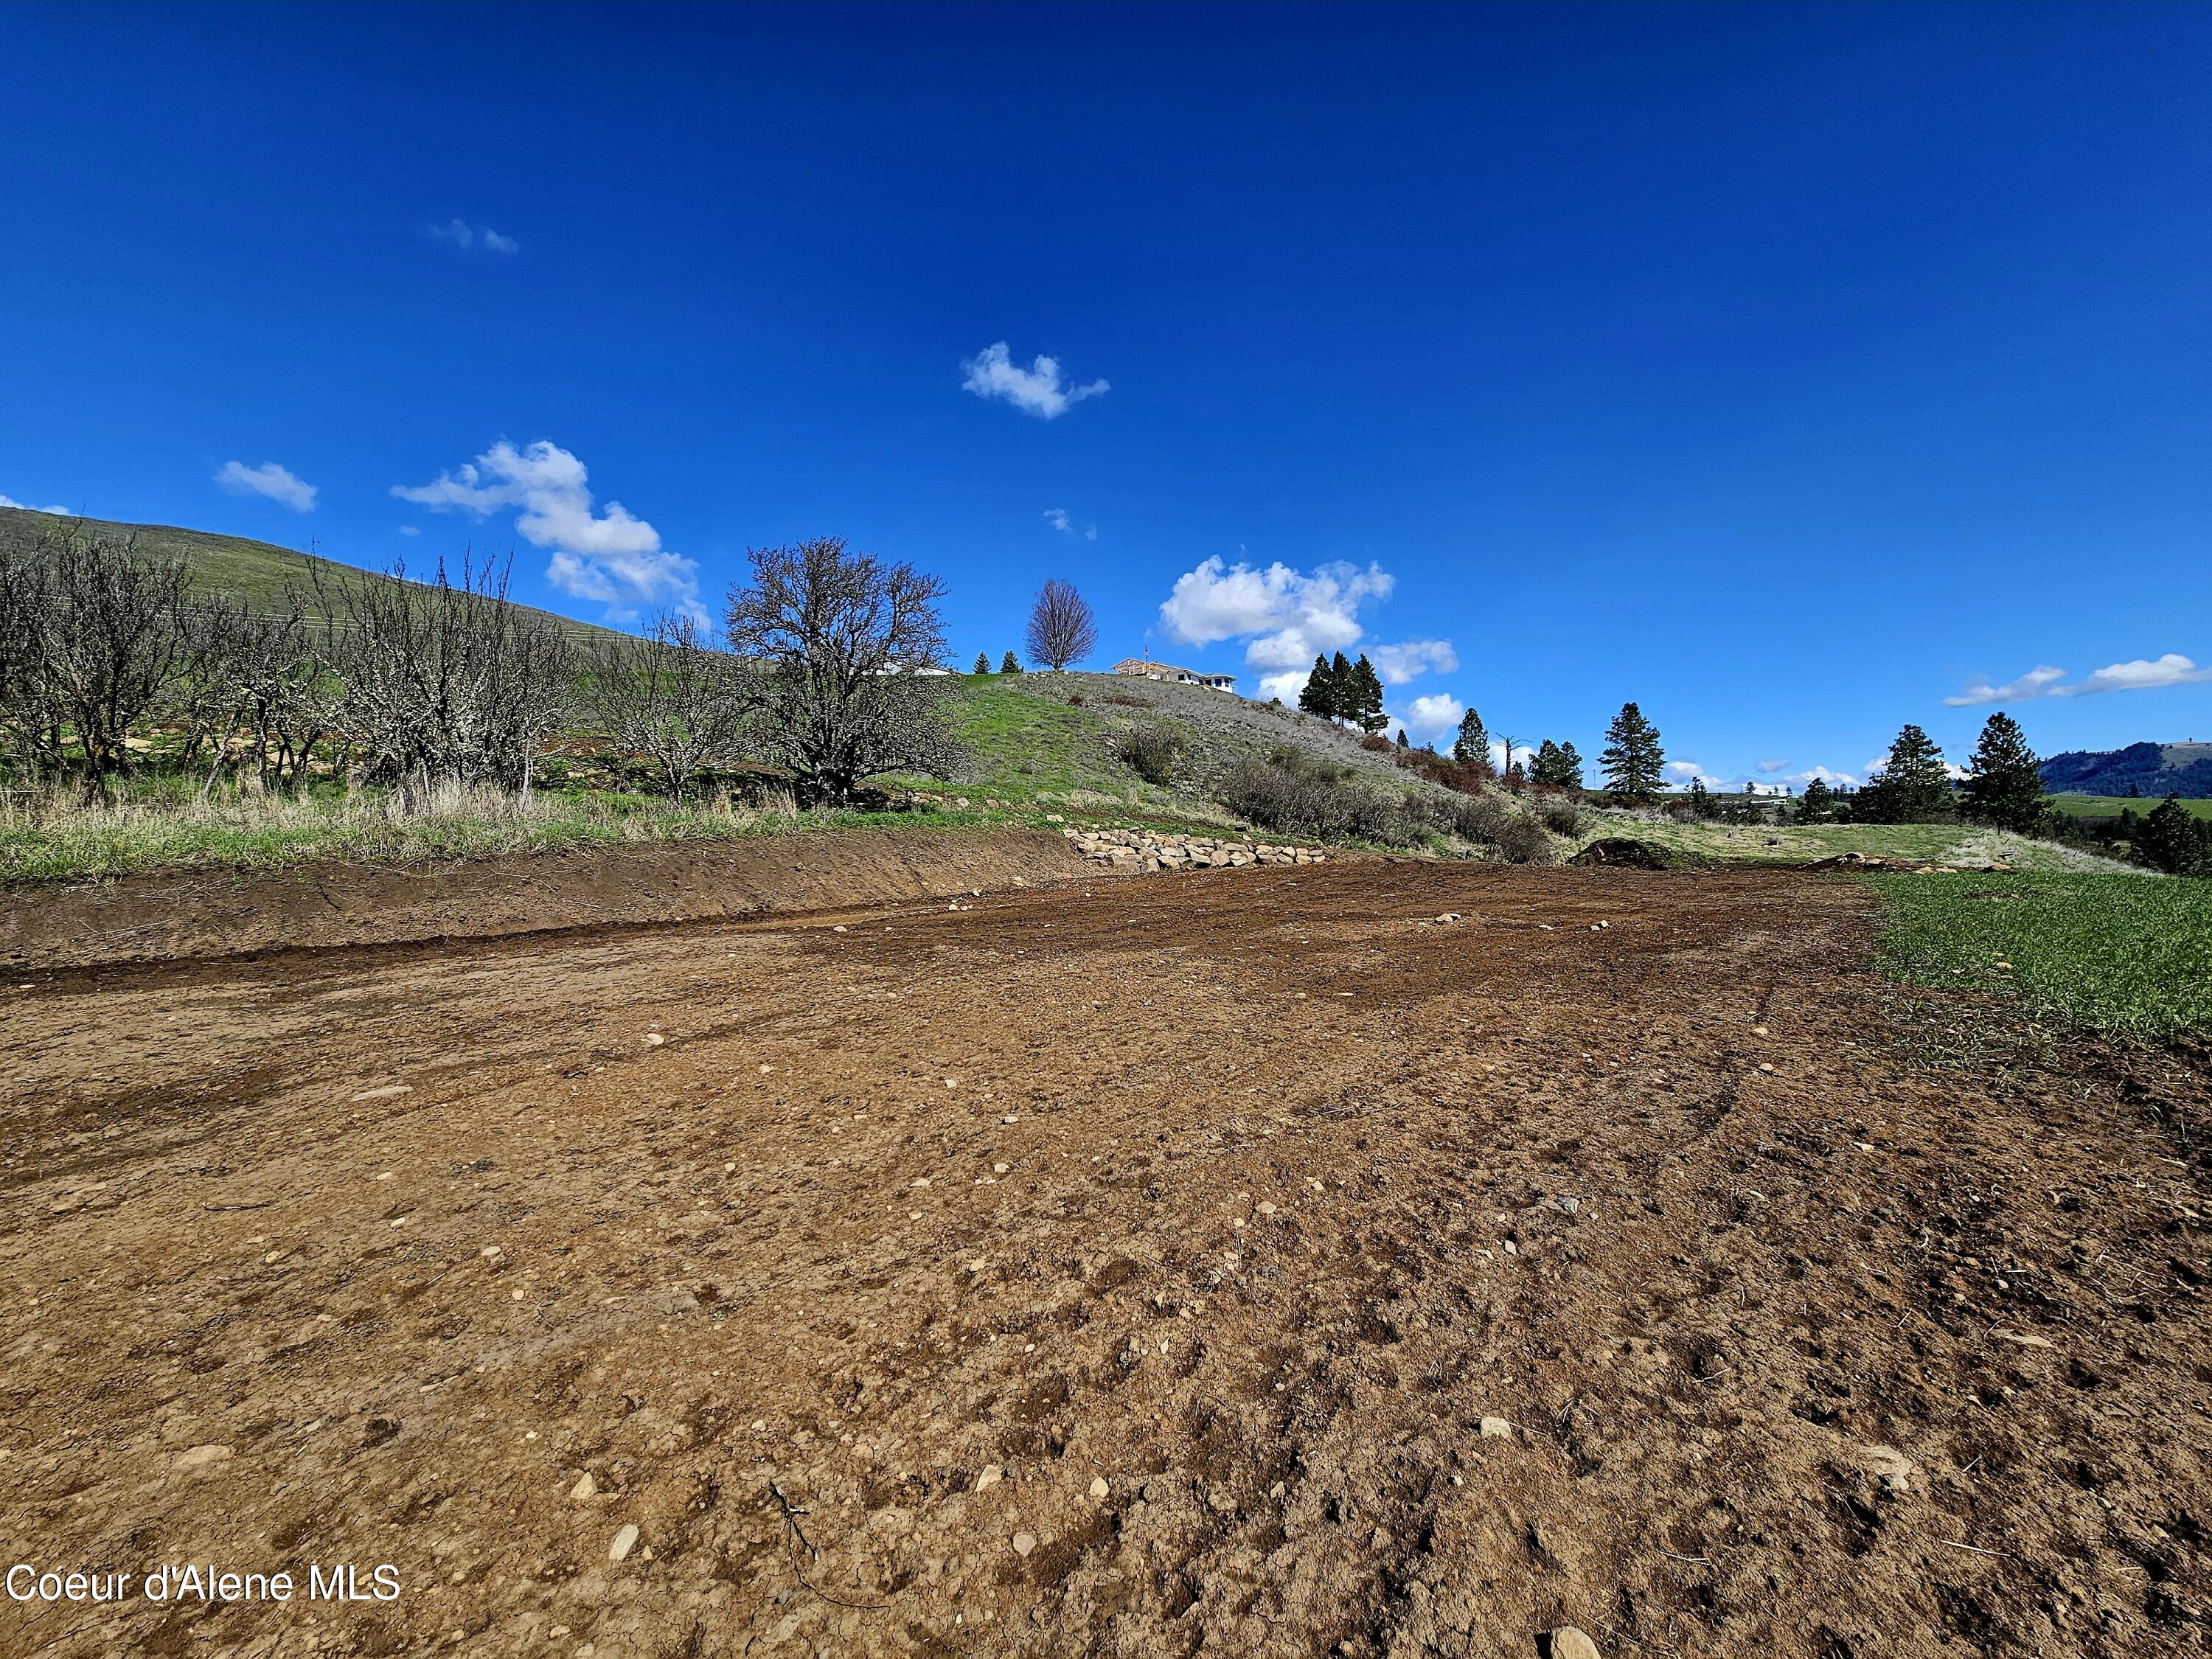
(1145, 850)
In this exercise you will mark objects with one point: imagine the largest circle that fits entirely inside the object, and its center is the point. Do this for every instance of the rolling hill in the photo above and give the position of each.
(2151, 769)
(257, 572)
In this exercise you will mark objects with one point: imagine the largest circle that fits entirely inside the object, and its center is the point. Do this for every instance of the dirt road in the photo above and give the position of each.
(1244, 1262)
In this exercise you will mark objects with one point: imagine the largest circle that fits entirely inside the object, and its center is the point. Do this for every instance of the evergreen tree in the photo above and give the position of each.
(983, 663)
(1817, 802)
(1344, 690)
(1403, 741)
(1913, 785)
(2175, 840)
(2004, 780)
(1633, 762)
(1009, 664)
(1366, 710)
(1557, 766)
(1701, 800)
(1471, 746)
(1319, 696)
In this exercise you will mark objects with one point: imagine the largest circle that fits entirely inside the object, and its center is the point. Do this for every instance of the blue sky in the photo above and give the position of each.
(1794, 371)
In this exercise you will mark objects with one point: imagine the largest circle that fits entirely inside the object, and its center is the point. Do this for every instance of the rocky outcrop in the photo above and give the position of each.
(1147, 849)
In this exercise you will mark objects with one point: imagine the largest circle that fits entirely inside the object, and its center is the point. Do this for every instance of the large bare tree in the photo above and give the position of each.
(1061, 630)
(445, 681)
(669, 697)
(831, 638)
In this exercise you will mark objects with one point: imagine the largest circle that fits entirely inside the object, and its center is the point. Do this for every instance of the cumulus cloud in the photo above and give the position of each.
(1833, 780)
(2142, 674)
(270, 480)
(1431, 717)
(1058, 519)
(1688, 771)
(1499, 760)
(458, 232)
(1038, 390)
(409, 530)
(1773, 765)
(1397, 664)
(610, 557)
(2036, 683)
(9, 501)
(1288, 617)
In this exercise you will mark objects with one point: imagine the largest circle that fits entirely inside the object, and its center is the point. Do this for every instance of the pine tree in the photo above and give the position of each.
(1366, 710)
(1633, 762)
(2175, 840)
(1404, 742)
(1701, 800)
(983, 663)
(1913, 785)
(1817, 802)
(1319, 696)
(1570, 766)
(1343, 689)
(2004, 779)
(1009, 664)
(1471, 746)
(1557, 766)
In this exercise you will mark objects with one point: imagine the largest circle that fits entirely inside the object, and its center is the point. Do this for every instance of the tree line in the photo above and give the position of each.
(437, 682)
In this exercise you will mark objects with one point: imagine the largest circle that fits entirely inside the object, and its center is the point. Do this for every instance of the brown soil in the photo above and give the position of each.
(198, 912)
(1246, 1195)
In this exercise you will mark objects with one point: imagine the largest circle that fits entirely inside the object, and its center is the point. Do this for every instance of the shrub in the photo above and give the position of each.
(1474, 818)
(1151, 751)
(1560, 816)
(1302, 798)
(1522, 840)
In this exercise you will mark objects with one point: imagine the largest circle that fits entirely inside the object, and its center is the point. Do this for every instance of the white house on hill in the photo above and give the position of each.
(1145, 668)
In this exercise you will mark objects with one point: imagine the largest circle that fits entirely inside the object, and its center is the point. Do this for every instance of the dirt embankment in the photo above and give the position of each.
(171, 915)
(1247, 1262)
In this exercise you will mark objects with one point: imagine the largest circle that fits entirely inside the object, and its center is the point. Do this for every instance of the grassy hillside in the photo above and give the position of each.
(2110, 806)
(257, 572)
(1801, 843)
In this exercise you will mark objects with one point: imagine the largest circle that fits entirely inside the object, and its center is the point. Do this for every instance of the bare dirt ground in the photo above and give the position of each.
(1241, 1261)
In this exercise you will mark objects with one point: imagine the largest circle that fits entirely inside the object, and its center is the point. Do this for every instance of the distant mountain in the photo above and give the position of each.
(2153, 769)
(256, 572)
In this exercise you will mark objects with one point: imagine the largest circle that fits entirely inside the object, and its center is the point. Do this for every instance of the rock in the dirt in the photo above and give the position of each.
(1891, 1466)
(585, 1488)
(991, 1476)
(1496, 1428)
(1568, 1642)
(200, 1457)
(1025, 1543)
(1098, 1487)
(625, 1541)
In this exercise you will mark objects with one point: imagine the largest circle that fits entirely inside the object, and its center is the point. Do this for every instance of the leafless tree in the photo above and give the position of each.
(445, 681)
(669, 697)
(1061, 630)
(30, 709)
(101, 644)
(830, 638)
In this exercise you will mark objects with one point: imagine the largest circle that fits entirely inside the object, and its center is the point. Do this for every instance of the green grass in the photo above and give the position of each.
(2117, 953)
(2110, 806)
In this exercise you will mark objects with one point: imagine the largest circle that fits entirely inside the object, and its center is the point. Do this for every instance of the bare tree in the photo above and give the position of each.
(830, 638)
(102, 646)
(30, 706)
(446, 682)
(1061, 630)
(669, 697)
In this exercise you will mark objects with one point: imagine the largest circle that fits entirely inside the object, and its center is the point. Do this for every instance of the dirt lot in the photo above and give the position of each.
(1124, 1268)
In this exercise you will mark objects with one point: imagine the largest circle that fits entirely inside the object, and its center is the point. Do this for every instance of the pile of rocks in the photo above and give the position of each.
(1146, 849)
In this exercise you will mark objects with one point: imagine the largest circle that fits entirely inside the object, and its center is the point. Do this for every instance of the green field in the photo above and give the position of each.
(2110, 806)
(1802, 843)
(2117, 953)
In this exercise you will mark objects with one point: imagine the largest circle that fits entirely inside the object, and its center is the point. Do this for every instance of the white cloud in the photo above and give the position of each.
(1773, 765)
(1284, 685)
(1057, 518)
(1431, 716)
(2171, 669)
(1690, 771)
(269, 479)
(1522, 752)
(1289, 617)
(2142, 674)
(409, 530)
(1833, 780)
(610, 557)
(9, 501)
(458, 232)
(1398, 664)
(2036, 683)
(1037, 390)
